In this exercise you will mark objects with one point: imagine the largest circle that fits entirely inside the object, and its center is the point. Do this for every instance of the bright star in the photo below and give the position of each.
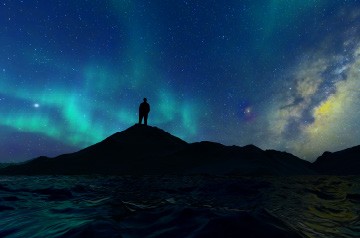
(247, 110)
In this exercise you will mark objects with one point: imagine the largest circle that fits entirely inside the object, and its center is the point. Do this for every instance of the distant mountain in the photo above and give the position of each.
(141, 150)
(344, 162)
(213, 158)
(3, 165)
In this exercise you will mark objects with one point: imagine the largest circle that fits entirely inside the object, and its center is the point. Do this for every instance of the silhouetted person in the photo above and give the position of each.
(144, 110)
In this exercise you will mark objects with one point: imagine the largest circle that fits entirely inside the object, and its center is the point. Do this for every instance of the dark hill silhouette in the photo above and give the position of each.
(3, 165)
(141, 150)
(213, 158)
(344, 162)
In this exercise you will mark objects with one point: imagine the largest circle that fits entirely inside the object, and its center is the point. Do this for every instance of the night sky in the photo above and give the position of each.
(279, 74)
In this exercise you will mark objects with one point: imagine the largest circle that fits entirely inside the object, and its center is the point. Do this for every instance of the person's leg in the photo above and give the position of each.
(140, 118)
(145, 119)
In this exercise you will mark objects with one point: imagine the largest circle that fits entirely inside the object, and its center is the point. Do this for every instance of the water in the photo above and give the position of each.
(179, 206)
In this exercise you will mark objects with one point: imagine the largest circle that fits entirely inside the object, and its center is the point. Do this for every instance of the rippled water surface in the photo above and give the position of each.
(175, 206)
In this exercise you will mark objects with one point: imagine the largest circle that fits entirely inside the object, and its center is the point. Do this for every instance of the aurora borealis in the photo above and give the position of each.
(279, 74)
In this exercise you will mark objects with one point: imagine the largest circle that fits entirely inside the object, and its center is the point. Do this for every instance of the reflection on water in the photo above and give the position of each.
(318, 206)
(187, 206)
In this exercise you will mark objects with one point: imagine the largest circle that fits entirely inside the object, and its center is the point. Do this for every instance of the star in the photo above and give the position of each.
(248, 110)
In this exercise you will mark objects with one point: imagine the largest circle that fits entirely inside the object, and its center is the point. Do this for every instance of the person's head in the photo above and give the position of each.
(145, 99)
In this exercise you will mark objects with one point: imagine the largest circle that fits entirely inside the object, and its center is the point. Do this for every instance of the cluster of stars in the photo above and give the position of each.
(235, 72)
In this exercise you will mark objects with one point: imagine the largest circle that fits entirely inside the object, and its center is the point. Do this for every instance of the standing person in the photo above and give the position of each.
(144, 110)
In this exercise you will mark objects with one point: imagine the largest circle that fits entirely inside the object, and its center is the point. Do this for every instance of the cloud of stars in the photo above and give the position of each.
(277, 74)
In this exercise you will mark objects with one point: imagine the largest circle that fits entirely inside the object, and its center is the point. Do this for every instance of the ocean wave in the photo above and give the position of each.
(179, 206)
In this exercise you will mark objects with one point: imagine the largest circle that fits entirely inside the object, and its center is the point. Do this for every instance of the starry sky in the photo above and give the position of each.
(279, 74)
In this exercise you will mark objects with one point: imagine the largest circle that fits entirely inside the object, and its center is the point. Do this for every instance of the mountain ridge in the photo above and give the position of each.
(343, 162)
(142, 150)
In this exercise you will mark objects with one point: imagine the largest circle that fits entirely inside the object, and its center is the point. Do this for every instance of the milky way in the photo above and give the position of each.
(277, 74)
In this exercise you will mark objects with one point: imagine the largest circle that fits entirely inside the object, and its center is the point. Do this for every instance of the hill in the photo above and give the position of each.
(344, 162)
(142, 150)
